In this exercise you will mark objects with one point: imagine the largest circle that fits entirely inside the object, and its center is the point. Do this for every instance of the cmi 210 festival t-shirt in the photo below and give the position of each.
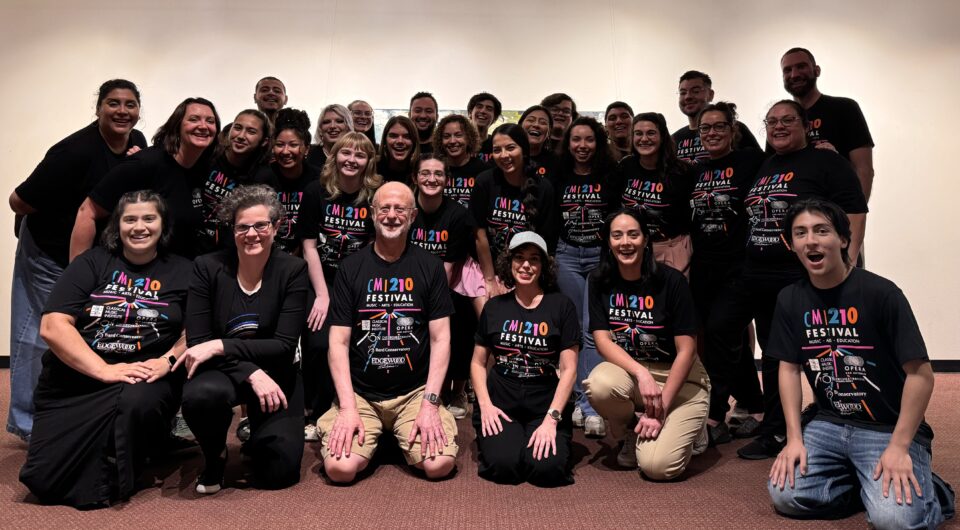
(584, 202)
(447, 233)
(526, 343)
(340, 226)
(852, 342)
(645, 316)
(388, 307)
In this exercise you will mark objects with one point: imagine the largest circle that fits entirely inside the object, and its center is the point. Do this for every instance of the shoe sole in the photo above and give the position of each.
(208, 489)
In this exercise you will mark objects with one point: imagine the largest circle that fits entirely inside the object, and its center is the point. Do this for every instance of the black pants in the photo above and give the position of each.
(720, 298)
(504, 458)
(276, 439)
(463, 325)
(318, 391)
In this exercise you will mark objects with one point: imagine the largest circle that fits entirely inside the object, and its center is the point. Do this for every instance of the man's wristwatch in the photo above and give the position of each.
(555, 414)
(432, 398)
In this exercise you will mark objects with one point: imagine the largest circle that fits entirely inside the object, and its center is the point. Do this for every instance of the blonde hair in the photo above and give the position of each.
(370, 180)
(339, 110)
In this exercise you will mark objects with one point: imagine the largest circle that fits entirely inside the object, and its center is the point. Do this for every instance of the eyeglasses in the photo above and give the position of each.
(563, 111)
(720, 127)
(385, 210)
(439, 173)
(261, 227)
(786, 121)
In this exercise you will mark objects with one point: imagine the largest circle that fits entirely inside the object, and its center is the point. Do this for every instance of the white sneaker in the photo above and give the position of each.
(594, 427)
(310, 433)
(702, 441)
(577, 417)
(627, 457)
(458, 406)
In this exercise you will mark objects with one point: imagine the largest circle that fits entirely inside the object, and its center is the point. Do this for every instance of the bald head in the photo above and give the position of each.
(394, 190)
(394, 210)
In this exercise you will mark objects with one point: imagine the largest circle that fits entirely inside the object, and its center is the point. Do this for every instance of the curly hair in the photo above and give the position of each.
(249, 196)
(293, 120)
(330, 174)
(469, 130)
(110, 238)
(548, 269)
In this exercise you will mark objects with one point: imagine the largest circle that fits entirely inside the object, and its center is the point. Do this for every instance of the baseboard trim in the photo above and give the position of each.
(941, 366)
(5, 361)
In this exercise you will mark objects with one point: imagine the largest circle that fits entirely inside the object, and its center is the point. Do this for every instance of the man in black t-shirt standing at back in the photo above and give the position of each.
(695, 93)
(856, 338)
(835, 123)
(389, 349)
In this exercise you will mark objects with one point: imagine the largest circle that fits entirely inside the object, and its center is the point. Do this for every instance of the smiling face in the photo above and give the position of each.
(646, 138)
(288, 150)
(362, 114)
(799, 74)
(270, 96)
(399, 142)
(332, 126)
(819, 247)
(393, 212)
(562, 114)
(483, 113)
(140, 229)
(119, 112)
(537, 127)
(199, 127)
(431, 178)
(246, 134)
(423, 112)
(627, 242)
(351, 162)
(694, 96)
(507, 154)
(526, 264)
(718, 138)
(785, 130)
(617, 122)
(254, 231)
(583, 144)
(454, 140)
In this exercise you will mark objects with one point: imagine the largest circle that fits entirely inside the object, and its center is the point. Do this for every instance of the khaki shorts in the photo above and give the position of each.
(396, 415)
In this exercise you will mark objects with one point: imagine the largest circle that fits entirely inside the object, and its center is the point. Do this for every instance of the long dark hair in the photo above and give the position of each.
(530, 187)
(668, 165)
(607, 273)
(168, 135)
(602, 160)
(547, 143)
(110, 238)
(259, 155)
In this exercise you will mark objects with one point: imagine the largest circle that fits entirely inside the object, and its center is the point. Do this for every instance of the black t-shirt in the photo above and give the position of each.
(497, 207)
(316, 158)
(838, 121)
(546, 164)
(155, 169)
(691, 150)
(291, 193)
(664, 202)
(404, 176)
(60, 183)
(783, 180)
(446, 233)
(388, 308)
(340, 226)
(852, 341)
(719, 230)
(221, 179)
(259, 330)
(486, 149)
(526, 343)
(461, 180)
(124, 312)
(644, 317)
(583, 202)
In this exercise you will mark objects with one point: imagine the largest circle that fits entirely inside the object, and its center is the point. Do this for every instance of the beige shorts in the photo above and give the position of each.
(675, 252)
(396, 415)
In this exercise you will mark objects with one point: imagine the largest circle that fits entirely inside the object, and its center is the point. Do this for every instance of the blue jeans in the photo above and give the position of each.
(34, 275)
(573, 265)
(840, 464)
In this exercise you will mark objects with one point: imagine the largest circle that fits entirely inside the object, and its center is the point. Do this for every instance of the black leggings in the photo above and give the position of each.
(276, 439)
(505, 458)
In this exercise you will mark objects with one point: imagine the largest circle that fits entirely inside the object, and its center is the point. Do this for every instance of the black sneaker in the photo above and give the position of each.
(761, 448)
(748, 428)
(720, 434)
(243, 429)
(211, 480)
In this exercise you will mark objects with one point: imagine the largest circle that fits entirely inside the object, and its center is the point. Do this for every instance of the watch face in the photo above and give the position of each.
(432, 398)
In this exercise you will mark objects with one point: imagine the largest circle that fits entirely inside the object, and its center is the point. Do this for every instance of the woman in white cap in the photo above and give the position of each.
(533, 333)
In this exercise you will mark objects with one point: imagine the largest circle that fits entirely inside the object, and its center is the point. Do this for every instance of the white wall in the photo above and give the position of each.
(901, 61)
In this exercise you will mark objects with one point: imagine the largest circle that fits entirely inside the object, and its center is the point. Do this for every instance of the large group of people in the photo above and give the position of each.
(576, 274)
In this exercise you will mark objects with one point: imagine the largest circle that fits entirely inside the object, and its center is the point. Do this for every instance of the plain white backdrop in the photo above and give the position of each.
(899, 60)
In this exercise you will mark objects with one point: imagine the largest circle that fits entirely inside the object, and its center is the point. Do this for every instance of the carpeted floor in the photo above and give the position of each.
(720, 491)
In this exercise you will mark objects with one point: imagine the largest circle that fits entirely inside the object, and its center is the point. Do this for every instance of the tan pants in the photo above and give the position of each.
(398, 415)
(675, 252)
(614, 395)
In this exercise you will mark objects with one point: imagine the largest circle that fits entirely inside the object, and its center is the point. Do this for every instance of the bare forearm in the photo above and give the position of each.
(478, 375)
(314, 267)
(84, 229)
(60, 333)
(917, 389)
(338, 357)
(567, 374)
(439, 354)
(791, 398)
(19, 206)
(858, 227)
(679, 371)
(484, 256)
